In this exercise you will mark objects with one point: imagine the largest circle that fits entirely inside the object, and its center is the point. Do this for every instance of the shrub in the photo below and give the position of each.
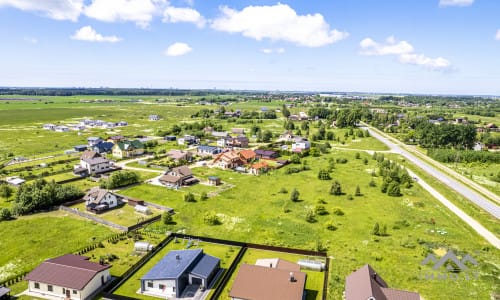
(189, 197)
(393, 189)
(330, 225)
(324, 175)
(320, 210)
(310, 217)
(358, 192)
(166, 218)
(338, 212)
(119, 179)
(294, 196)
(211, 218)
(5, 214)
(203, 196)
(283, 190)
(372, 183)
(357, 155)
(336, 188)
(349, 197)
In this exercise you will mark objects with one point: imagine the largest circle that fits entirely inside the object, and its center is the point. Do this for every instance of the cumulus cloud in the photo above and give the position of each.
(88, 34)
(405, 53)
(183, 14)
(178, 49)
(497, 36)
(271, 50)
(278, 22)
(54, 9)
(141, 12)
(445, 3)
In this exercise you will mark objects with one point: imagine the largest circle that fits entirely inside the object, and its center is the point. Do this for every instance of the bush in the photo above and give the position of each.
(338, 212)
(5, 214)
(203, 196)
(330, 226)
(294, 196)
(310, 217)
(358, 192)
(320, 210)
(372, 183)
(166, 218)
(189, 197)
(211, 218)
(120, 178)
(349, 197)
(324, 175)
(336, 188)
(393, 189)
(283, 190)
(341, 160)
(357, 155)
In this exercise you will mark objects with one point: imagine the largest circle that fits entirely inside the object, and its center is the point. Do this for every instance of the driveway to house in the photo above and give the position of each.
(460, 188)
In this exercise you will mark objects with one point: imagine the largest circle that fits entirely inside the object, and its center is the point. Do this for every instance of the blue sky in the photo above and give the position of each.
(413, 46)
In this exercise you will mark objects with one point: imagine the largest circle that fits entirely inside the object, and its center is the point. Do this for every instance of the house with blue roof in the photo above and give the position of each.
(177, 270)
(103, 147)
(208, 150)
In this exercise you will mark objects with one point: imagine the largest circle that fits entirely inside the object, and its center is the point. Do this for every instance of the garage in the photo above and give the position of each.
(197, 281)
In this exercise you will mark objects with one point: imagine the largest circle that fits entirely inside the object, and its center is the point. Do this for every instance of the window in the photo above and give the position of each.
(64, 291)
(150, 284)
(75, 292)
(50, 288)
(37, 285)
(161, 286)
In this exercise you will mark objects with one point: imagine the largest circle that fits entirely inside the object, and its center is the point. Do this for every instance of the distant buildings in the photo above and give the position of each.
(84, 124)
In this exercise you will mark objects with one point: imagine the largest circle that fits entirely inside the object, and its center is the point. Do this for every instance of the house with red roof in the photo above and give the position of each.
(68, 277)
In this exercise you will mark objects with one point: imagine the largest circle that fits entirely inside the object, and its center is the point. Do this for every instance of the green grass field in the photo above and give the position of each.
(29, 240)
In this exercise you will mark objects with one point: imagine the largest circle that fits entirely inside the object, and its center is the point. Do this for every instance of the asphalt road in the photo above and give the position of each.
(463, 190)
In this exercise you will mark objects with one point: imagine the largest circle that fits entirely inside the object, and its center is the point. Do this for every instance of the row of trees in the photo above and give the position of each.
(465, 156)
(119, 179)
(41, 195)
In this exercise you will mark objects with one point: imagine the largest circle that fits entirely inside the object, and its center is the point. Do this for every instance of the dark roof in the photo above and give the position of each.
(95, 161)
(264, 283)
(104, 146)
(265, 152)
(89, 155)
(181, 171)
(365, 283)
(208, 148)
(80, 147)
(95, 195)
(70, 271)
(130, 145)
(205, 266)
(173, 265)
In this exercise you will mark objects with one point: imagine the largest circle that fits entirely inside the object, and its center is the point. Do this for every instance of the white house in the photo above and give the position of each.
(99, 200)
(92, 163)
(93, 140)
(68, 277)
(301, 145)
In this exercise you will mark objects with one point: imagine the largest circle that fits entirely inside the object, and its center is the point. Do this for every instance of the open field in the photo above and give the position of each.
(254, 210)
(314, 281)
(225, 253)
(479, 172)
(29, 240)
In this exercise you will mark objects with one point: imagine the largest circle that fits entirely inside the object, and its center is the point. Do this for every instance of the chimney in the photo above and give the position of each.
(292, 279)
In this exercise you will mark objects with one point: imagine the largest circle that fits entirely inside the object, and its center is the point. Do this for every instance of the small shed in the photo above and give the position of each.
(170, 138)
(80, 148)
(143, 247)
(4, 293)
(214, 180)
(142, 209)
(311, 265)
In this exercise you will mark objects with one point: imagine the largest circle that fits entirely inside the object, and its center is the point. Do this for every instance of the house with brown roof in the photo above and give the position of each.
(178, 155)
(269, 279)
(228, 160)
(247, 155)
(365, 283)
(92, 163)
(269, 154)
(178, 177)
(99, 200)
(67, 277)
(259, 168)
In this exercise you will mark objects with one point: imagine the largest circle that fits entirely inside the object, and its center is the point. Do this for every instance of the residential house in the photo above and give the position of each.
(287, 136)
(247, 155)
(272, 279)
(178, 177)
(92, 163)
(238, 142)
(4, 293)
(205, 150)
(300, 144)
(104, 147)
(178, 269)
(116, 138)
(178, 155)
(61, 128)
(228, 160)
(68, 277)
(267, 154)
(128, 149)
(303, 116)
(223, 142)
(80, 148)
(49, 126)
(238, 130)
(154, 117)
(365, 283)
(188, 140)
(92, 141)
(99, 200)
(109, 125)
(77, 127)
(219, 134)
(15, 181)
(259, 168)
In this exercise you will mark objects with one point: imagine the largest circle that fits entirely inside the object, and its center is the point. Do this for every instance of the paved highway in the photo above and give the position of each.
(468, 193)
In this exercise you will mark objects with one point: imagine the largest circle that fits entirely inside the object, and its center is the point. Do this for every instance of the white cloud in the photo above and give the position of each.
(497, 37)
(178, 49)
(455, 2)
(88, 34)
(271, 50)
(183, 14)
(54, 9)
(278, 22)
(141, 12)
(31, 40)
(405, 53)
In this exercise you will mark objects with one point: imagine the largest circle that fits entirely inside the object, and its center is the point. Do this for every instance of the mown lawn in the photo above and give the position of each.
(27, 241)
(225, 253)
(254, 211)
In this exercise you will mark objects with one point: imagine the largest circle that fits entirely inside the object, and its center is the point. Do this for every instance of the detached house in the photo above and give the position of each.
(178, 269)
(93, 140)
(247, 155)
(228, 160)
(68, 277)
(300, 144)
(128, 149)
(205, 150)
(178, 155)
(268, 154)
(178, 177)
(92, 163)
(99, 200)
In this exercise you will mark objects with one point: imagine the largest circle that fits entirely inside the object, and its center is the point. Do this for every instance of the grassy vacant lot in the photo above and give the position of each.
(255, 211)
(27, 241)
(314, 282)
(225, 253)
(479, 172)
